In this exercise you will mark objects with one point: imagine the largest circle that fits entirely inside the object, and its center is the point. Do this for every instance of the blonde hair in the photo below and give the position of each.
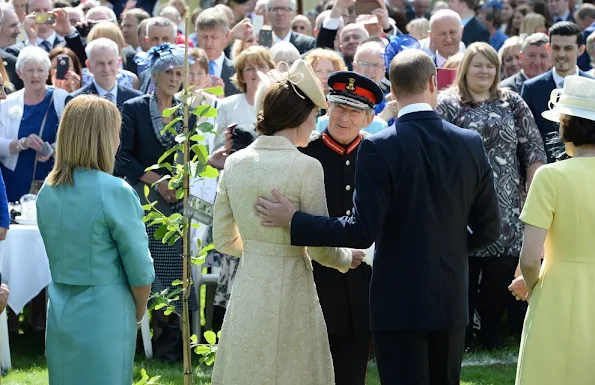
(88, 130)
(314, 56)
(253, 55)
(509, 44)
(591, 46)
(109, 31)
(454, 61)
(486, 50)
(531, 22)
(418, 28)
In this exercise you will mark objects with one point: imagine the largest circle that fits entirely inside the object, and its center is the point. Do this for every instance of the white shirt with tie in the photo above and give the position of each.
(102, 92)
(51, 39)
(218, 67)
(558, 79)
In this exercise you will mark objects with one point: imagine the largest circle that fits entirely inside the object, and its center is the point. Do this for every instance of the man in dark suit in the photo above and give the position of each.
(585, 18)
(280, 13)
(103, 62)
(560, 10)
(212, 32)
(344, 298)
(424, 192)
(9, 32)
(535, 60)
(473, 30)
(566, 45)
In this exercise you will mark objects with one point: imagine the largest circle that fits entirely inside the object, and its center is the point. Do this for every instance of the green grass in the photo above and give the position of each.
(29, 367)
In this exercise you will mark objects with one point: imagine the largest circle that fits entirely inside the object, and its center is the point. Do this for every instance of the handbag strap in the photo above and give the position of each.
(45, 117)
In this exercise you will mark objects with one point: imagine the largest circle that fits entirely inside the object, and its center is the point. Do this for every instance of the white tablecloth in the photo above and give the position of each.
(24, 266)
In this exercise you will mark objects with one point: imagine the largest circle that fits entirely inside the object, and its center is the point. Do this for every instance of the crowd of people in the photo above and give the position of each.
(338, 84)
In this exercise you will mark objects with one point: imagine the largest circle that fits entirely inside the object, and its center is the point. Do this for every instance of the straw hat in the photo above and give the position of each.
(577, 98)
(300, 77)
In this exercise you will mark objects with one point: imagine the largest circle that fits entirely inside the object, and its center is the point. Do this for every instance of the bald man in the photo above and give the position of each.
(418, 189)
(445, 35)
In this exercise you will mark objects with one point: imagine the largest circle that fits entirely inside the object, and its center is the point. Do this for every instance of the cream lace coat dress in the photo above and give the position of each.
(274, 332)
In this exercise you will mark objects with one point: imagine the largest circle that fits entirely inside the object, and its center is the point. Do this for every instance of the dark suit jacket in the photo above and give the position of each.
(139, 147)
(130, 64)
(536, 93)
(475, 31)
(11, 70)
(417, 188)
(124, 94)
(515, 82)
(326, 39)
(584, 61)
(227, 72)
(303, 43)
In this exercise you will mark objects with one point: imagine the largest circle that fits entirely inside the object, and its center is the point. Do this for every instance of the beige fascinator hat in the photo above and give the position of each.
(300, 76)
(577, 98)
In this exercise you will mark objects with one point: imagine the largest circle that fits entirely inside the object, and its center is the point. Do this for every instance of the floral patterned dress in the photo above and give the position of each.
(513, 143)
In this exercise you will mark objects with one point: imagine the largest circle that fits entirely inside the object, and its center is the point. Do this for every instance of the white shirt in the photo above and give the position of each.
(218, 65)
(558, 79)
(51, 39)
(286, 38)
(102, 92)
(415, 107)
(440, 60)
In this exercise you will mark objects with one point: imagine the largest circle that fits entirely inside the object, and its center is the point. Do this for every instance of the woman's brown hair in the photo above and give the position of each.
(252, 55)
(282, 108)
(578, 131)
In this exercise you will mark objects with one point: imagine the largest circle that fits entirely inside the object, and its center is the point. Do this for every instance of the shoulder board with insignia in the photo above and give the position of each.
(314, 136)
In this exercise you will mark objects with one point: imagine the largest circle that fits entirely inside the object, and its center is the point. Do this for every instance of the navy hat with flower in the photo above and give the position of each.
(163, 57)
(397, 44)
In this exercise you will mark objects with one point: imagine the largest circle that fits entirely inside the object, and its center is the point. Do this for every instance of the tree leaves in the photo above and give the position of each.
(168, 112)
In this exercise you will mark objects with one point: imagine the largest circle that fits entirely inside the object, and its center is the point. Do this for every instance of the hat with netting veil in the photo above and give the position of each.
(300, 76)
(577, 98)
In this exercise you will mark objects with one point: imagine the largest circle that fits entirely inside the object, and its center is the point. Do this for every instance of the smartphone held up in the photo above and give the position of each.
(45, 18)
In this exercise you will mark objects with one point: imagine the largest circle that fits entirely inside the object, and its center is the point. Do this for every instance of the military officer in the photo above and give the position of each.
(344, 298)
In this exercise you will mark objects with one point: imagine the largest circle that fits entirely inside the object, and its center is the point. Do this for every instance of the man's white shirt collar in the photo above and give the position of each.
(440, 60)
(559, 79)
(286, 38)
(415, 107)
(102, 92)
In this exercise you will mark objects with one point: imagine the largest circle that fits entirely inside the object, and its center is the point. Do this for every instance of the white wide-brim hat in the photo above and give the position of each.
(577, 98)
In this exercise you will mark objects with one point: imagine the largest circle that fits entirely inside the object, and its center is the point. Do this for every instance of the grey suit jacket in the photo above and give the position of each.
(303, 43)
(515, 82)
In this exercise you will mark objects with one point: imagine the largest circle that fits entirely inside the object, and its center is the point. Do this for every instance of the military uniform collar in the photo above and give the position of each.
(339, 148)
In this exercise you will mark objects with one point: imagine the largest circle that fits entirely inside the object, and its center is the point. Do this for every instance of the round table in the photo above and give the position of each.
(24, 265)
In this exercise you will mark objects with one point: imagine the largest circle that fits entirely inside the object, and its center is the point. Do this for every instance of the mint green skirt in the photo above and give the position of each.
(91, 334)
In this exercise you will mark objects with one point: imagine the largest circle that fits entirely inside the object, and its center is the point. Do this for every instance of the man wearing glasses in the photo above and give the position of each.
(280, 14)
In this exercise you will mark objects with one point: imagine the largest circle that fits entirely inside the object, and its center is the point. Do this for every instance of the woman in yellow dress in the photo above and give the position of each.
(558, 342)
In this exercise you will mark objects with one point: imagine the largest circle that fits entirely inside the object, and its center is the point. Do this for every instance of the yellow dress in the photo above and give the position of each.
(558, 342)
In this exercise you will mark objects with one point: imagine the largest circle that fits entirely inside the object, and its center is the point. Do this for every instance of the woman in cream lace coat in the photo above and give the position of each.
(274, 331)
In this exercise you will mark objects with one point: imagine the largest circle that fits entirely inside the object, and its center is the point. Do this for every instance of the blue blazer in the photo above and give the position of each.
(417, 188)
(584, 61)
(124, 93)
(4, 214)
(536, 92)
(475, 31)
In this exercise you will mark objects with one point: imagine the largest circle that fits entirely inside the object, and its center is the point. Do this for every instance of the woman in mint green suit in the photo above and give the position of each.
(91, 224)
